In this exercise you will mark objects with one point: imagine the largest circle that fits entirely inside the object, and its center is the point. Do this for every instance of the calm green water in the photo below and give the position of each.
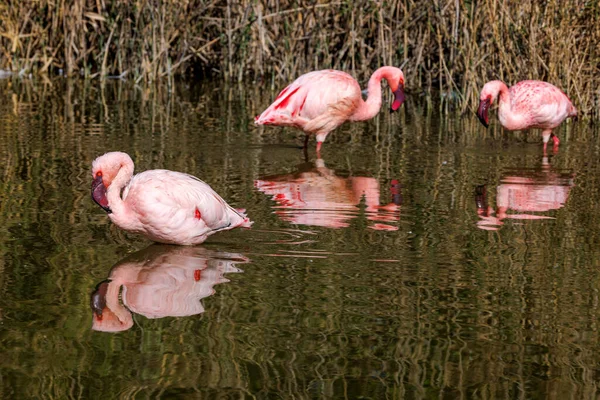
(421, 257)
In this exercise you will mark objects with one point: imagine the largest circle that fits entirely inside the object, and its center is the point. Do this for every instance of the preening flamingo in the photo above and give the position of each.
(159, 281)
(527, 104)
(165, 206)
(320, 101)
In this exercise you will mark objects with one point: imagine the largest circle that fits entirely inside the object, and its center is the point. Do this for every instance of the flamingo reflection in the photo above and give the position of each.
(525, 192)
(315, 195)
(159, 281)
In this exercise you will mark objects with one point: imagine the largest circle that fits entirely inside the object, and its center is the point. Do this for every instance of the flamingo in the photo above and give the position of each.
(164, 206)
(527, 104)
(160, 281)
(320, 101)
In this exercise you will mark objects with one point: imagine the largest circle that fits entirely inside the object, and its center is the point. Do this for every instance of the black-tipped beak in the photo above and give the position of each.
(398, 98)
(98, 298)
(99, 194)
(482, 112)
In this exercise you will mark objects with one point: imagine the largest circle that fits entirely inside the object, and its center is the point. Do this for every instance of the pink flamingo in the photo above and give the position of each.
(320, 101)
(159, 281)
(528, 104)
(165, 206)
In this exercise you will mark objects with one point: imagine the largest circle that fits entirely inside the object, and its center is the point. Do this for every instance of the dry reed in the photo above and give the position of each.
(447, 47)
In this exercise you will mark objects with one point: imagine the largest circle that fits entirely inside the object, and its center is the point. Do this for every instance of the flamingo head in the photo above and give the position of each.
(396, 82)
(482, 111)
(487, 97)
(99, 192)
(104, 170)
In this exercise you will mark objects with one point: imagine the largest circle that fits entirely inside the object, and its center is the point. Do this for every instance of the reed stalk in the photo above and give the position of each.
(445, 47)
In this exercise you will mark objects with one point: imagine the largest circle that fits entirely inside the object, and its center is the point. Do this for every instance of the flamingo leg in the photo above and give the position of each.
(320, 139)
(319, 149)
(546, 133)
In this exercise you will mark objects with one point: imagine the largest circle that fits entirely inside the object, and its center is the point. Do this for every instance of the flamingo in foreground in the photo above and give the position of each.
(165, 206)
(320, 101)
(527, 104)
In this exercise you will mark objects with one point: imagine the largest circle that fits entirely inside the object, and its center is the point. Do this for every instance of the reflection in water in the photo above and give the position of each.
(315, 195)
(525, 192)
(159, 281)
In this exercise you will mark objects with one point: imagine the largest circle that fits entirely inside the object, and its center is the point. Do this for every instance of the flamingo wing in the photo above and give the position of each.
(311, 98)
(168, 200)
(546, 104)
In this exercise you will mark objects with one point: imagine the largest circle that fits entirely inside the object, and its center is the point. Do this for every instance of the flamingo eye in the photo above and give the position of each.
(98, 174)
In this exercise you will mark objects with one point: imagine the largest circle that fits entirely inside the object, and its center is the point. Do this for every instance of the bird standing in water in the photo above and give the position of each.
(165, 206)
(527, 104)
(320, 101)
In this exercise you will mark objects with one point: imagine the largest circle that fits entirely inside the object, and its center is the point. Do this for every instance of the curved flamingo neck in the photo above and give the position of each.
(509, 118)
(113, 192)
(502, 93)
(369, 108)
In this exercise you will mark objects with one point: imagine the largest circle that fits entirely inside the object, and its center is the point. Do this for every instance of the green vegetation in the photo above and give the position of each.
(448, 46)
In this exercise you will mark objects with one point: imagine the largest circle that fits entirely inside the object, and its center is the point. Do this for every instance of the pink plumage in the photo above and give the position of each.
(164, 206)
(525, 105)
(320, 101)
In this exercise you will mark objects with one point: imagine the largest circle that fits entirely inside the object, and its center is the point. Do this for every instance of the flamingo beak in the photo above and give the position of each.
(482, 112)
(98, 299)
(99, 194)
(398, 97)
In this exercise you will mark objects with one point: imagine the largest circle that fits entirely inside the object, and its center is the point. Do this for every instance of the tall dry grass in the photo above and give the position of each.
(449, 47)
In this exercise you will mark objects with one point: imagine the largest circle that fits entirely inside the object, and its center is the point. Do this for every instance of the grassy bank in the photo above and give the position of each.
(451, 47)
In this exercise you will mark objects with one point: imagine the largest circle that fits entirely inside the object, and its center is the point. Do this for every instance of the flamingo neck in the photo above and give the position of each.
(510, 119)
(113, 192)
(503, 95)
(368, 109)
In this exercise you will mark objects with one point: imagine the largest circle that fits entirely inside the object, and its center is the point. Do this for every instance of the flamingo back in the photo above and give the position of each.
(173, 207)
(545, 105)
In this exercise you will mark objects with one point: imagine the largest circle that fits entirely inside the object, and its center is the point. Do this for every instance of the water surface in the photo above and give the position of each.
(420, 257)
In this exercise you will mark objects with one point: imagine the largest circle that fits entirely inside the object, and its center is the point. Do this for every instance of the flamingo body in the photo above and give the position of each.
(165, 206)
(525, 105)
(320, 101)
